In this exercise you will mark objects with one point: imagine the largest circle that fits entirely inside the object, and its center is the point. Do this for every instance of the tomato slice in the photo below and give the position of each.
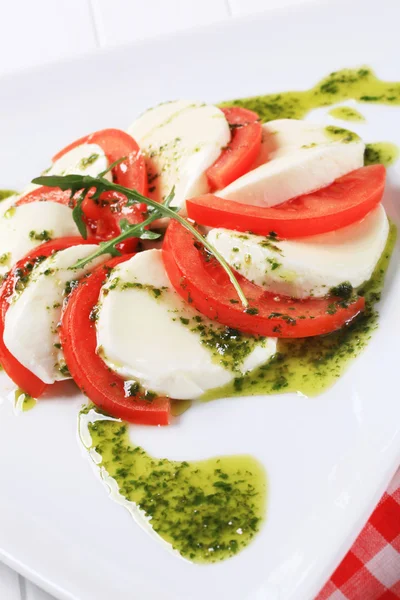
(103, 387)
(20, 375)
(46, 194)
(237, 158)
(346, 201)
(102, 216)
(205, 284)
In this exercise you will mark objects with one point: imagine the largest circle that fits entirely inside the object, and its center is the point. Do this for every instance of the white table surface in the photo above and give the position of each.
(43, 31)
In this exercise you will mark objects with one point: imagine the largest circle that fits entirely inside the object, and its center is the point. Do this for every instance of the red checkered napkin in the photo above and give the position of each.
(371, 569)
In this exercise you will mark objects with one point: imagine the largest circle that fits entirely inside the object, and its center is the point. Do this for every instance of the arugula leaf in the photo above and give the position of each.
(169, 199)
(124, 224)
(83, 183)
(145, 234)
(113, 164)
(77, 215)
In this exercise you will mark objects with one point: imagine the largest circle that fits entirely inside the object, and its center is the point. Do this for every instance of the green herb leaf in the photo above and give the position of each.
(169, 198)
(77, 215)
(150, 235)
(114, 164)
(124, 225)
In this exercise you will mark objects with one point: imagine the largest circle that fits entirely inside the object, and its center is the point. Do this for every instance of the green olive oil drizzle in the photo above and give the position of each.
(358, 84)
(384, 153)
(346, 113)
(207, 510)
(6, 194)
(22, 401)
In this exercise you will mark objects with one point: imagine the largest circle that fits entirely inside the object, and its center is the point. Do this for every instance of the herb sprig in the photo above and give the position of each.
(82, 184)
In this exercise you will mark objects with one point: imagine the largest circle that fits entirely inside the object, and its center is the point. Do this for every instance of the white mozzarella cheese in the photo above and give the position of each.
(308, 266)
(180, 140)
(297, 157)
(23, 227)
(86, 159)
(283, 136)
(31, 321)
(147, 333)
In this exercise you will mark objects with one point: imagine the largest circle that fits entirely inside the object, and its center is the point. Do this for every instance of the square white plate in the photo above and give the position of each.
(328, 459)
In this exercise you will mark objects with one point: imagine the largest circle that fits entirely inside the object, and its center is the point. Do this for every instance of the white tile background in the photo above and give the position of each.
(34, 33)
(45, 30)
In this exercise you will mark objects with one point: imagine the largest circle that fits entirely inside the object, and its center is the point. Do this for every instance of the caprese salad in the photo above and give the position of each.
(173, 259)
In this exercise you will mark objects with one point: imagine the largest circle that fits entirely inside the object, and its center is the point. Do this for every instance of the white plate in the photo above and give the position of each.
(328, 459)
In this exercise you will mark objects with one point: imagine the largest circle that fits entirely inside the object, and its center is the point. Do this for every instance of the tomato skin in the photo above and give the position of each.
(346, 201)
(21, 376)
(205, 284)
(46, 194)
(237, 158)
(78, 338)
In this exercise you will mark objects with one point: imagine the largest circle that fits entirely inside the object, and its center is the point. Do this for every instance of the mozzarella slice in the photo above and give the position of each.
(86, 159)
(284, 136)
(26, 226)
(300, 158)
(180, 140)
(31, 321)
(147, 333)
(309, 266)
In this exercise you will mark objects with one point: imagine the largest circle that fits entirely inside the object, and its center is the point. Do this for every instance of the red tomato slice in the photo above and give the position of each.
(21, 376)
(236, 159)
(46, 194)
(346, 201)
(103, 387)
(204, 283)
(102, 217)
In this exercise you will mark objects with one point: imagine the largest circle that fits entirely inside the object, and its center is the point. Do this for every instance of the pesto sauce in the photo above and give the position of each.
(10, 212)
(6, 194)
(384, 153)
(22, 401)
(345, 113)
(311, 365)
(5, 259)
(341, 134)
(178, 407)
(358, 84)
(207, 510)
(228, 347)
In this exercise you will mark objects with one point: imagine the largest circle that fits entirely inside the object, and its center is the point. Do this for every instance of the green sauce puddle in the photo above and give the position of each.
(384, 153)
(358, 84)
(311, 365)
(22, 401)
(345, 113)
(207, 510)
(6, 194)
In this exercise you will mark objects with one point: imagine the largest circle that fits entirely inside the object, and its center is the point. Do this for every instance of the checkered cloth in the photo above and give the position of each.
(371, 569)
